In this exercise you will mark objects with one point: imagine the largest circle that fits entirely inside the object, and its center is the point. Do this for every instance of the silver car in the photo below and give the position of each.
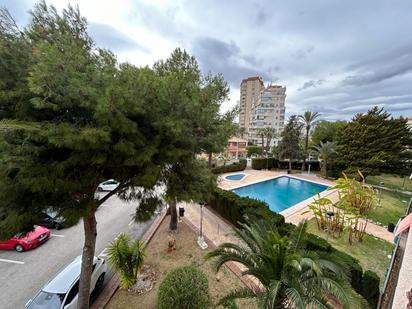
(62, 291)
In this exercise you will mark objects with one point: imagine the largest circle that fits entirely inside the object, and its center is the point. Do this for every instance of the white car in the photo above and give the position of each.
(108, 185)
(62, 291)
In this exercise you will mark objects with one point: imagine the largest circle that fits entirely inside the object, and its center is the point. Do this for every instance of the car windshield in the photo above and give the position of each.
(47, 300)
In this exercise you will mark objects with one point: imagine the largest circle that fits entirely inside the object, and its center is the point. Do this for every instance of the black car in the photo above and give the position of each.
(52, 220)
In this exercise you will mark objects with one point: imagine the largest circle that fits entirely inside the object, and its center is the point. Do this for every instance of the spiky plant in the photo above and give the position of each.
(290, 276)
(126, 258)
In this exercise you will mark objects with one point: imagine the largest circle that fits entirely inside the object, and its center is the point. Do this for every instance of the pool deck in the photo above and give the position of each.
(296, 213)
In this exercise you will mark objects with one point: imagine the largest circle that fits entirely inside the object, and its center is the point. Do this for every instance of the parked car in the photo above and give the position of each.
(51, 219)
(22, 242)
(62, 291)
(108, 185)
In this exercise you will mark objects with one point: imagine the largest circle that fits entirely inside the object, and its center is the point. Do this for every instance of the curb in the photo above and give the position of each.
(111, 287)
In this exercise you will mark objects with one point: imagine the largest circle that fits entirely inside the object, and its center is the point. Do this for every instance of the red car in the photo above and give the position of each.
(29, 241)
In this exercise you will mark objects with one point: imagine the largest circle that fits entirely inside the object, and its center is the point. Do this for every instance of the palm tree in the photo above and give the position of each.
(126, 258)
(325, 152)
(290, 276)
(241, 131)
(308, 119)
(262, 133)
(269, 133)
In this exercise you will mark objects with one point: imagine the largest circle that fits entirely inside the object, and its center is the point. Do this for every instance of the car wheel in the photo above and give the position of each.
(99, 189)
(19, 248)
(99, 282)
(57, 226)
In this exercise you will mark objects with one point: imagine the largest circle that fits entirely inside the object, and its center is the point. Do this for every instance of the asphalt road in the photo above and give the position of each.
(23, 274)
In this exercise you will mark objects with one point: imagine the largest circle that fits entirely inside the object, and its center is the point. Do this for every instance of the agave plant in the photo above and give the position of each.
(289, 275)
(126, 258)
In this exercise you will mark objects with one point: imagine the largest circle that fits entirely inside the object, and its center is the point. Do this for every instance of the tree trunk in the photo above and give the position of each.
(173, 215)
(90, 233)
(263, 144)
(290, 166)
(306, 149)
(209, 160)
(326, 168)
(268, 145)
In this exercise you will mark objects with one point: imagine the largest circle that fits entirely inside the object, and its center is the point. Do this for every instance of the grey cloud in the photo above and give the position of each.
(226, 58)
(386, 65)
(302, 53)
(109, 37)
(311, 84)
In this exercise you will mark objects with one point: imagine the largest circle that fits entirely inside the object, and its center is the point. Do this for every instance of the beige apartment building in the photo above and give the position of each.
(268, 110)
(250, 88)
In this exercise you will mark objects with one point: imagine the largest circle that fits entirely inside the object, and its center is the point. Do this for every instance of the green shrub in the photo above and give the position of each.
(263, 163)
(185, 288)
(234, 167)
(254, 150)
(316, 243)
(237, 209)
(370, 288)
(356, 271)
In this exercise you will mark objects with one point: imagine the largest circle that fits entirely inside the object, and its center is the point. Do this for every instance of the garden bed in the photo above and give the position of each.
(372, 252)
(187, 253)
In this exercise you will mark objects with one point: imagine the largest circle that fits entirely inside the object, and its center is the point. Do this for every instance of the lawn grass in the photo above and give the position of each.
(187, 253)
(393, 206)
(372, 252)
(391, 181)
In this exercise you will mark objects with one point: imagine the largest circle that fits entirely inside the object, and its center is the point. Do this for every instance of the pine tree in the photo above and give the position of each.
(78, 118)
(375, 141)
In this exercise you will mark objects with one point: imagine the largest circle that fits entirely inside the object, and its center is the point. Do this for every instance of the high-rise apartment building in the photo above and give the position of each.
(250, 88)
(267, 110)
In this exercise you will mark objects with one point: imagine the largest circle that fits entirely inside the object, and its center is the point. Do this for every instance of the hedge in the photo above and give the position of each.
(184, 287)
(237, 209)
(260, 163)
(366, 284)
(234, 167)
(356, 271)
(263, 163)
(370, 288)
(316, 243)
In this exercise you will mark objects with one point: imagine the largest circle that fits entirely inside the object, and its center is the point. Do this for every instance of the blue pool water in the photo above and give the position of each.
(235, 177)
(281, 193)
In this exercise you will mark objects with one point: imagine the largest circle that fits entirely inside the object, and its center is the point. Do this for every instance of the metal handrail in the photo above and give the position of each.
(394, 251)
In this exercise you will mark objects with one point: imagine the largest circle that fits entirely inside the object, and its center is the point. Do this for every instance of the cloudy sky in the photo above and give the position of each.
(335, 57)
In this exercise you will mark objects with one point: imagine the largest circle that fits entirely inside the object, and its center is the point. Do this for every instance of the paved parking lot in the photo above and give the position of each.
(23, 274)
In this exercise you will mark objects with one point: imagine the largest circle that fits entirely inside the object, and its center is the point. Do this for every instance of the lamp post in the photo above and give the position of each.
(329, 215)
(381, 184)
(200, 240)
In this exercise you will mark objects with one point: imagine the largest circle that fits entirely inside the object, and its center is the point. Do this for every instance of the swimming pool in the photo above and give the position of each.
(282, 192)
(235, 176)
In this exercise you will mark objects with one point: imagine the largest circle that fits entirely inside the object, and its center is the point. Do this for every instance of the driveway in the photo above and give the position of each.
(23, 274)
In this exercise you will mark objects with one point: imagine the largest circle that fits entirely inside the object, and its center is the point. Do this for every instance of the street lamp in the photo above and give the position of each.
(381, 184)
(329, 215)
(200, 240)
